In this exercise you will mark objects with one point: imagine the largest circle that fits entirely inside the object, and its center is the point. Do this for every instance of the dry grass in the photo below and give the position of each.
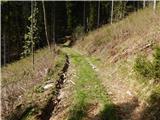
(118, 45)
(140, 28)
(19, 78)
(20, 70)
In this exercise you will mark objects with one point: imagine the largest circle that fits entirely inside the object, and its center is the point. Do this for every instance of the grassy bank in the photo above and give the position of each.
(118, 45)
(22, 87)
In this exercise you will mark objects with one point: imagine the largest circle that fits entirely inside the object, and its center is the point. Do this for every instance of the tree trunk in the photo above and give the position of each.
(4, 48)
(112, 12)
(98, 14)
(154, 5)
(54, 25)
(45, 24)
(84, 16)
(32, 34)
(144, 3)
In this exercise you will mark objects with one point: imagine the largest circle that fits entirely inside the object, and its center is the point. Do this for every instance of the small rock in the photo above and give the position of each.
(110, 93)
(48, 86)
(129, 93)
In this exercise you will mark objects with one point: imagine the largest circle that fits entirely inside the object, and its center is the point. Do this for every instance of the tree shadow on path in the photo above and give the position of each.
(152, 111)
(121, 111)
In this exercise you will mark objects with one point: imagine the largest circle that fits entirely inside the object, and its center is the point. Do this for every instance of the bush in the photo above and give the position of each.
(78, 32)
(156, 63)
(147, 68)
(143, 66)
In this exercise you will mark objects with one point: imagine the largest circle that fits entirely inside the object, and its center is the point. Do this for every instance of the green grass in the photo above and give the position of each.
(88, 90)
(117, 46)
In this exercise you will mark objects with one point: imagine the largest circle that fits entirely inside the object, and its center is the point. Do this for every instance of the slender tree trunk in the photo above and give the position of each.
(4, 48)
(154, 5)
(98, 14)
(84, 16)
(45, 24)
(138, 6)
(144, 3)
(54, 26)
(112, 12)
(32, 34)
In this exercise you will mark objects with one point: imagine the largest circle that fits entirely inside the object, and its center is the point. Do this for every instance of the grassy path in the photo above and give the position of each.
(90, 101)
(126, 103)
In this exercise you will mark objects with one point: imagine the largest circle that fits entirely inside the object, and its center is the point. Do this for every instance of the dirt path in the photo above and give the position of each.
(127, 105)
(82, 96)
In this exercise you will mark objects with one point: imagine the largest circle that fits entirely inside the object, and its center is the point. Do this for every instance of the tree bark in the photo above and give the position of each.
(32, 34)
(4, 48)
(98, 14)
(54, 26)
(45, 24)
(154, 5)
(144, 3)
(84, 16)
(112, 12)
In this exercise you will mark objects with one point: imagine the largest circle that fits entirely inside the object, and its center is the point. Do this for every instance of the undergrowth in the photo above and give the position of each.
(20, 93)
(149, 69)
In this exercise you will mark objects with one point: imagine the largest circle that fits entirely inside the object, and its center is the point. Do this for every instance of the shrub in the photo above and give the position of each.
(147, 68)
(78, 32)
(156, 63)
(143, 66)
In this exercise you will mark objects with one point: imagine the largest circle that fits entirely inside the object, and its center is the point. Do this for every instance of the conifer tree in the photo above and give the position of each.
(31, 37)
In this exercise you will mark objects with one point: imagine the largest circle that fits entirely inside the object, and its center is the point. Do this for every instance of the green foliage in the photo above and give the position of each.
(156, 63)
(92, 16)
(143, 66)
(119, 10)
(78, 32)
(32, 32)
(147, 68)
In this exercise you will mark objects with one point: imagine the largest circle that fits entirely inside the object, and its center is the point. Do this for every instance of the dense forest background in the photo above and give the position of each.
(65, 18)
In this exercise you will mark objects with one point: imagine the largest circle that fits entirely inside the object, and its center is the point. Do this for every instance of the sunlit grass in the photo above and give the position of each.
(117, 46)
(88, 90)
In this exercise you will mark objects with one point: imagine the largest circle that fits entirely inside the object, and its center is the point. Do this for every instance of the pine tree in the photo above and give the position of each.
(32, 36)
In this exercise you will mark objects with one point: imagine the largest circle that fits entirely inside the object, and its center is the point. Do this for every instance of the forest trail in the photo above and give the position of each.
(123, 99)
(82, 96)
(127, 104)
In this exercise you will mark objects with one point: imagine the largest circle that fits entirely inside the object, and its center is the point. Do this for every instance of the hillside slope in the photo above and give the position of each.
(115, 47)
(94, 80)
